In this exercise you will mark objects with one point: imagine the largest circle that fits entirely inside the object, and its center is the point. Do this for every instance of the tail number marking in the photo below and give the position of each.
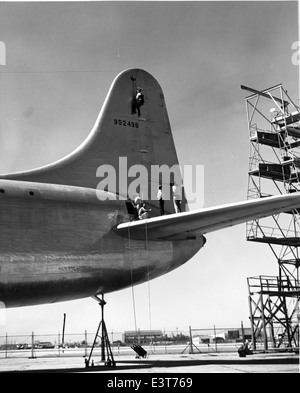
(125, 123)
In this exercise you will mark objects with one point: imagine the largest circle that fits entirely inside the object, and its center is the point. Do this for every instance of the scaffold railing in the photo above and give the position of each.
(274, 284)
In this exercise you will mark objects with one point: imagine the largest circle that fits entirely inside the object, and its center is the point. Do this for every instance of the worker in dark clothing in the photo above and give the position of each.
(139, 99)
(245, 349)
(131, 209)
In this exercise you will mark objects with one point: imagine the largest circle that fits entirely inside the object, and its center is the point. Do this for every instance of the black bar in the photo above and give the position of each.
(285, 103)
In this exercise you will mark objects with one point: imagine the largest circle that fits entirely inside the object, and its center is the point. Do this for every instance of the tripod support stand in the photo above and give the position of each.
(105, 344)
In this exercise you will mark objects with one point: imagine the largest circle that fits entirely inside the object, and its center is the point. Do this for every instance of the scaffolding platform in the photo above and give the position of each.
(292, 131)
(268, 138)
(284, 241)
(274, 164)
(280, 172)
(278, 139)
(289, 294)
(274, 309)
(286, 119)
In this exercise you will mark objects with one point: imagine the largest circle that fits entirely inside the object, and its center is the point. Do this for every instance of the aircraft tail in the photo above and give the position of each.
(133, 124)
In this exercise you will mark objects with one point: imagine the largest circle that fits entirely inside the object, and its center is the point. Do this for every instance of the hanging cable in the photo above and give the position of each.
(149, 289)
(148, 274)
(132, 286)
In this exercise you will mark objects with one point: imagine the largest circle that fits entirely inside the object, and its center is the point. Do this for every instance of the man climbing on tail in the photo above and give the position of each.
(139, 99)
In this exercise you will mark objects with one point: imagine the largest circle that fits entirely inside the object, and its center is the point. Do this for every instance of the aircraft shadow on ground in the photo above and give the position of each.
(148, 364)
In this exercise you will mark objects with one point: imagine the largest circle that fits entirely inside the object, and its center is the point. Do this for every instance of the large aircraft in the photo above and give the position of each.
(63, 236)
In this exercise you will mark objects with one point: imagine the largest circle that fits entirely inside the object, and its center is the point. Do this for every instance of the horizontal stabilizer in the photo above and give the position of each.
(188, 224)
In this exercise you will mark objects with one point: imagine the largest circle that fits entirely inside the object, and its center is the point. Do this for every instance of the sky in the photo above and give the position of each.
(61, 59)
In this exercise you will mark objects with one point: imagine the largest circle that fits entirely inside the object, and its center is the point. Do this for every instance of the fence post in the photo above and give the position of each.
(243, 332)
(85, 344)
(191, 341)
(216, 347)
(58, 346)
(6, 345)
(32, 346)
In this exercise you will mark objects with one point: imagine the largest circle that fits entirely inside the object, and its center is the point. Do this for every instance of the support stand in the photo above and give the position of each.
(191, 351)
(191, 344)
(105, 344)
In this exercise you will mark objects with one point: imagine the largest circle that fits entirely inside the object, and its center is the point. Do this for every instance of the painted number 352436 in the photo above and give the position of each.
(125, 123)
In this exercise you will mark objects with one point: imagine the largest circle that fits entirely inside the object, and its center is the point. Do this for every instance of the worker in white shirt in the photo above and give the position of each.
(143, 212)
(161, 201)
(177, 197)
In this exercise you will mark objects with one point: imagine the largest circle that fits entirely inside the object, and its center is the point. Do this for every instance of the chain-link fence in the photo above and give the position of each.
(191, 341)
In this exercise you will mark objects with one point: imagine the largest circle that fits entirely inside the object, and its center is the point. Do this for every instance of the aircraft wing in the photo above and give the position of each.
(188, 224)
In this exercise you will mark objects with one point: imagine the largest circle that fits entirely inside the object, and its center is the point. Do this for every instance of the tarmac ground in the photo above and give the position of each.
(174, 363)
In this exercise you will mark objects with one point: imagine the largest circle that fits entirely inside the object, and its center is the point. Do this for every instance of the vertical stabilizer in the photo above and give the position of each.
(126, 130)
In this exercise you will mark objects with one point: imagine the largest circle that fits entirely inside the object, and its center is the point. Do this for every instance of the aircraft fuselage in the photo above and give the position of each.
(58, 243)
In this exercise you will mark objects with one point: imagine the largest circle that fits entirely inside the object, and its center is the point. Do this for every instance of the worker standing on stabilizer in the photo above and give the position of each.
(161, 201)
(177, 197)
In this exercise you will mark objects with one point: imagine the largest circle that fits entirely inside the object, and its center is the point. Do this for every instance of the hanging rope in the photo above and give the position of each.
(148, 271)
(149, 289)
(132, 286)
(148, 276)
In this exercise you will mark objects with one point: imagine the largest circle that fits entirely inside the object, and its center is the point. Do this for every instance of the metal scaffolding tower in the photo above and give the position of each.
(274, 168)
